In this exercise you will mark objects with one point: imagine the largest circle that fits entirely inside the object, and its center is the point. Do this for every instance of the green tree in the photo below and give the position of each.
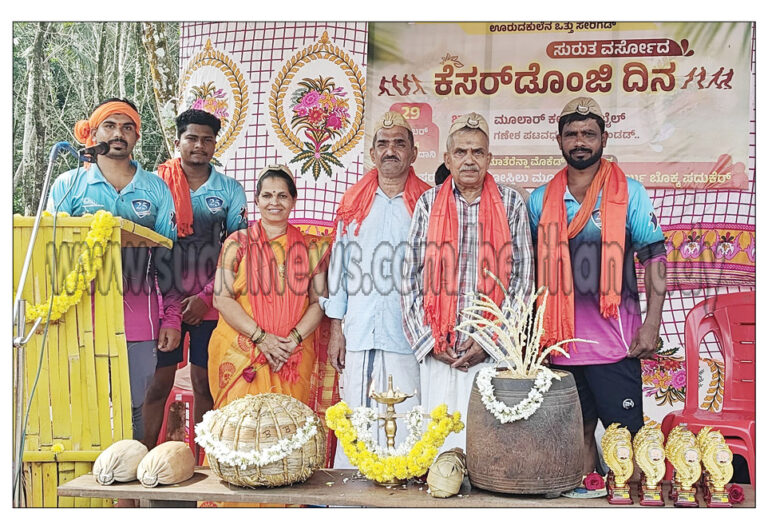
(62, 70)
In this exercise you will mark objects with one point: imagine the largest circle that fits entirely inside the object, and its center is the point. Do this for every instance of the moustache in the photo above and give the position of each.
(118, 140)
(469, 169)
(387, 158)
(577, 150)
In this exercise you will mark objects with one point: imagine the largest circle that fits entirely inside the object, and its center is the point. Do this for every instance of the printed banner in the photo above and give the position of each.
(316, 109)
(675, 95)
(212, 80)
(303, 97)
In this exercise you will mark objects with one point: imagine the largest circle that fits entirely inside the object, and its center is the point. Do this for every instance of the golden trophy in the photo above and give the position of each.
(683, 452)
(717, 459)
(390, 397)
(649, 455)
(617, 451)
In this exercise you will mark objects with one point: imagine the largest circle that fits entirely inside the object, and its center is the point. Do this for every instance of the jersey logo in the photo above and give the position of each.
(215, 204)
(141, 207)
(90, 203)
(173, 220)
(654, 221)
(244, 214)
(597, 219)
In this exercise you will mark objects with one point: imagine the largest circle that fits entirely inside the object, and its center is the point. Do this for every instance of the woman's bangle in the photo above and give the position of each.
(296, 336)
(259, 335)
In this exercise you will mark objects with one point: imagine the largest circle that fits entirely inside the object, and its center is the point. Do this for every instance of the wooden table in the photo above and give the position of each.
(326, 487)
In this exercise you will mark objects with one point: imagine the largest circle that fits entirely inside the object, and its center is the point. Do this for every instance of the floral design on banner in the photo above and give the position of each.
(212, 80)
(316, 107)
(321, 113)
(713, 400)
(206, 97)
(708, 255)
(664, 379)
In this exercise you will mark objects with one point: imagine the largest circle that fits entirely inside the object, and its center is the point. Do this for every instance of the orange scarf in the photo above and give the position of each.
(357, 201)
(278, 305)
(554, 258)
(173, 175)
(84, 126)
(441, 263)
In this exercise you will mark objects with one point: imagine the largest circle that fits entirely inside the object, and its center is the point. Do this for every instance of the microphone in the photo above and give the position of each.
(89, 153)
(63, 146)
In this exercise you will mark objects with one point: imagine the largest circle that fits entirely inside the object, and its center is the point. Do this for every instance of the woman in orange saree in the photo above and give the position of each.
(268, 282)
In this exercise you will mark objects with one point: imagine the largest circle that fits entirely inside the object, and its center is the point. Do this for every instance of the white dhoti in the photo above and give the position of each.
(440, 383)
(374, 365)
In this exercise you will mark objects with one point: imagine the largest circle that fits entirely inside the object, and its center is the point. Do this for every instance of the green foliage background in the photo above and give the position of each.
(72, 63)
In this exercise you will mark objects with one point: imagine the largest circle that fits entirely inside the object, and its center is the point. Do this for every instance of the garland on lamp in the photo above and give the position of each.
(243, 459)
(363, 418)
(399, 465)
(88, 265)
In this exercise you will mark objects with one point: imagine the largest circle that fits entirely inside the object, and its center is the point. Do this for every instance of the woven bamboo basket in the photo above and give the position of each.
(255, 422)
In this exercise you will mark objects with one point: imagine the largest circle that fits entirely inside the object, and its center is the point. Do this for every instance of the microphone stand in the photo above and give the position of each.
(19, 320)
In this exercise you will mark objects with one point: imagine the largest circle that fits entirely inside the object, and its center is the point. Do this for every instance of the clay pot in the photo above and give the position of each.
(540, 455)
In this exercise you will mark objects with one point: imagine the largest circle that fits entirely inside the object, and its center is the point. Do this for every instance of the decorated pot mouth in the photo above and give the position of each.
(507, 374)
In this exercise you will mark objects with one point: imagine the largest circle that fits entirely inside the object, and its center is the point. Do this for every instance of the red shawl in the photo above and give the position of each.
(278, 306)
(441, 261)
(173, 175)
(554, 233)
(357, 200)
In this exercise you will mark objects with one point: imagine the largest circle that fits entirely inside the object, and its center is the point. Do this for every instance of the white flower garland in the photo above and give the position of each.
(363, 418)
(243, 459)
(522, 410)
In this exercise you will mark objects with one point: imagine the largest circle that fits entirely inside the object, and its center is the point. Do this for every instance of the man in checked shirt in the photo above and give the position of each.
(467, 222)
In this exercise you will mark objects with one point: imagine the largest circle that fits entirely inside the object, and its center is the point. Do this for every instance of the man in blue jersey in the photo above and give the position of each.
(210, 206)
(589, 223)
(119, 185)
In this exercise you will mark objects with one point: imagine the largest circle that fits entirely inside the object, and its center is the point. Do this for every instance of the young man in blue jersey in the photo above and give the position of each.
(119, 185)
(210, 206)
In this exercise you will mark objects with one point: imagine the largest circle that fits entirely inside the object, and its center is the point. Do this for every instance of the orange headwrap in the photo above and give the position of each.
(84, 126)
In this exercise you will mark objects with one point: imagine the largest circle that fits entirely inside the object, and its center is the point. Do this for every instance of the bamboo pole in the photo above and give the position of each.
(47, 456)
(116, 290)
(107, 327)
(80, 469)
(66, 474)
(87, 356)
(36, 486)
(50, 482)
(72, 350)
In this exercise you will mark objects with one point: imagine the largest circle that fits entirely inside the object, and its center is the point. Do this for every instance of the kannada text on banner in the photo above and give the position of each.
(675, 96)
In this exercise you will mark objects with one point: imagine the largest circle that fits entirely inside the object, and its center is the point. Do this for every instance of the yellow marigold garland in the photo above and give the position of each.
(415, 463)
(88, 265)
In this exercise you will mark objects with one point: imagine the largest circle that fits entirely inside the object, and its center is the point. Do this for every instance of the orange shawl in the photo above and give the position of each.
(357, 201)
(278, 305)
(554, 258)
(173, 175)
(441, 262)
